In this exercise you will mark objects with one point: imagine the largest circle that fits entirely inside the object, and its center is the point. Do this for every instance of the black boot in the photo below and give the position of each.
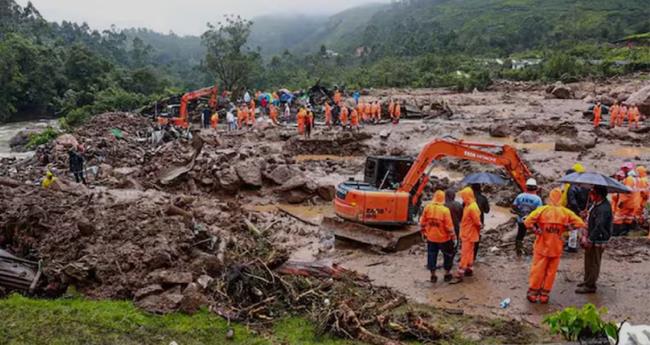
(519, 248)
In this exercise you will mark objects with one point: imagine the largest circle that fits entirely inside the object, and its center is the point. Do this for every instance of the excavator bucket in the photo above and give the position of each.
(17, 273)
(387, 240)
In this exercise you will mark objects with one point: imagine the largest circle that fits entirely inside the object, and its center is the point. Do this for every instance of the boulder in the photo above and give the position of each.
(527, 137)
(193, 299)
(561, 91)
(250, 172)
(326, 192)
(66, 141)
(170, 277)
(606, 100)
(385, 134)
(147, 291)
(281, 174)
(229, 179)
(641, 98)
(296, 196)
(499, 130)
(580, 143)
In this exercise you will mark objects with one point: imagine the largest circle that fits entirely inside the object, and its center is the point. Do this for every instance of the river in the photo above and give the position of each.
(8, 130)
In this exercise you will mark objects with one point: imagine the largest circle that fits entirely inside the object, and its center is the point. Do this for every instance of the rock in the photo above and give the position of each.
(85, 228)
(498, 130)
(580, 143)
(161, 303)
(282, 174)
(384, 134)
(229, 179)
(606, 100)
(204, 281)
(641, 98)
(293, 184)
(561, 91)
(171, 277)
(326, 192)
(527, 137)
(66, 141)
(589, 99)
(192, 299)
(125, 171)
(250, 172)
(296, 196)
(147, 291)
(105, 170)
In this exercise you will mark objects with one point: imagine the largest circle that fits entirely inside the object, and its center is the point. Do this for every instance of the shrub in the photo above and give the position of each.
(574, 324)
(44, 137)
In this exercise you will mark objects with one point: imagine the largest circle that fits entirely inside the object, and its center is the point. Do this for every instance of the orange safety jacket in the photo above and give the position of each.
(344, 115)
(552, 220)
(470, 224)
(436, 222)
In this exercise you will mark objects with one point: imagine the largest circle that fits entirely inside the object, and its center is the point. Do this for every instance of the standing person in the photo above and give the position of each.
(378, 114)
(391, 109)
(273, 113)
(76, 162)
(626, 205)
(287, 112)
(437, 229)
(354, 120)
(575, 198)
(251, 114)
(300, 120)
(344, 116)
(598, 112)
(328, 115)
(398, 112)
(230, 119)
(484, 206)
(642, 186)
(599, 231)
(456, 210)
(613, 114)
(549, 224)
(622, 115)
(356, 95)
(309, 123)
(470, 228)
(214, 120)
(524, 204)
(48, 180)
(634, 117)
(337, 97)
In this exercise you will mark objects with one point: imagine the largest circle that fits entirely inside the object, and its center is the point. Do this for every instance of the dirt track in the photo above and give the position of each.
(140, 220)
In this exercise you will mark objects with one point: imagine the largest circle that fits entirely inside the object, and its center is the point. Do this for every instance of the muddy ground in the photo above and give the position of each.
(160, 222)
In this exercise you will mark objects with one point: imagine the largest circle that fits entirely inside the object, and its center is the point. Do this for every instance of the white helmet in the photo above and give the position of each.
(531, 182)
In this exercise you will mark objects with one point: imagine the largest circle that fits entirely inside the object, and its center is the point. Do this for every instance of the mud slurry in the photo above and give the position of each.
(219, 233)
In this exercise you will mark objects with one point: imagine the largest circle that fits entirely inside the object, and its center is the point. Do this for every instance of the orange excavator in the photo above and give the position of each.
(181, 120)
(382, 210)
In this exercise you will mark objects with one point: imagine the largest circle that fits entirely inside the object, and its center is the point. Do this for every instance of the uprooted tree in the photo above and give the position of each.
(227, 57)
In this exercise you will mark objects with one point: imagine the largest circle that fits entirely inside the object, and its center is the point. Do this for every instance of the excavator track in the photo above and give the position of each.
(389, 240)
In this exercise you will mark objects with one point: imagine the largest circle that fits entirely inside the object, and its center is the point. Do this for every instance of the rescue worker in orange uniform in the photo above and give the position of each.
(300, 120)
(378, 112)
(337, 97)
(367, 112)
(242, 115)
(328, 115)
(642, 186)
(598, 112)
(634, 117)
(214, 120)
(344, 116)
(398, 112)
(360, 109)
(437, 227)
(470, 228)
(391, 109)
(613, 114)
(251, 116)
(354, 119)
(622, 115)
(309, 123)
(549, 223)
(273, 113)
(626, 205)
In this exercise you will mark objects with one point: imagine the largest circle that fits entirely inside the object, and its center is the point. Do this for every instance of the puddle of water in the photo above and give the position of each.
(313, 213)
(311, 158)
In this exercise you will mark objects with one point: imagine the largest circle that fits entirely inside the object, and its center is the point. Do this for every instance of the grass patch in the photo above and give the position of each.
(79, 321)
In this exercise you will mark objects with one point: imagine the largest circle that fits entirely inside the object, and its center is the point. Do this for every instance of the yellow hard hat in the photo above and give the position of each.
(578, 168)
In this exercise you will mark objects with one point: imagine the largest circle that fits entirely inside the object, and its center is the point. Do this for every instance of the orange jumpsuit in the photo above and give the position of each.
(470, 228)
(378, 112)
(337, 97)
(391, 109)
(622, 115)
(242, 115)
(354, 119)
(437, 224)
(328, 115)
(251, 116)
(300, 119)
(642, 185)
(626, 205)
(613, 115)
(214, 120)
(598, 111)
(552, 221)
(273, 113)
(360, 109)
(367, 112)
(398, 112)
(344, 116)
(634, 117)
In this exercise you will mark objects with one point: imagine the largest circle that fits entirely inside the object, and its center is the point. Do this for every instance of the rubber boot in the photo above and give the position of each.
(543, 297)
(433, 278)
(532, 296)
(448, 277)
(519, 248)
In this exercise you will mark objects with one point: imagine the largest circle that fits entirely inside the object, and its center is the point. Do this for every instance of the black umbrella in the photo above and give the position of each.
(483, 178)
(596, 179)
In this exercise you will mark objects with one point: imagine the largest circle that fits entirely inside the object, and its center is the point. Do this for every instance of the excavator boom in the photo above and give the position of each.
(365, 206)
(181, 120)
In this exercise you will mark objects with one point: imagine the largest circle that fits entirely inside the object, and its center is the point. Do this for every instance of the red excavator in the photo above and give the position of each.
(381, 210)
(180, 119)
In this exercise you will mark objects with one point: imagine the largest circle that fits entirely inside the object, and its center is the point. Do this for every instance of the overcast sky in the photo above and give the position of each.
(180, 16)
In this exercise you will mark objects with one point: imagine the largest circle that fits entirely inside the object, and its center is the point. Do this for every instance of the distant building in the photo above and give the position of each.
(523, 63)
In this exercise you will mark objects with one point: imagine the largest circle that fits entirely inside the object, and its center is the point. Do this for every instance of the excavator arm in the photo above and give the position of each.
(181, 120)
(416, 179)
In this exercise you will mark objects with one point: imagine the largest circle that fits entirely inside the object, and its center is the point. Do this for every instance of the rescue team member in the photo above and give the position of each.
(344, 116)
(48, 180)
(391, 109)
(549, 223)
(242, 115)
(251, 114)
(354, 119)
(484, 206)
(599, 231)
(378, 112)
(470, 228)
(524, 204)
(598, 111)
(634, 117)
(337, 97)
(300, 120)
(456, 210)
(437, 229)
(214, 120)
(626, 205)
(309, 123)
(613, 114)
(328, 115)
(273, 113)
(622, 115)
(398, 112)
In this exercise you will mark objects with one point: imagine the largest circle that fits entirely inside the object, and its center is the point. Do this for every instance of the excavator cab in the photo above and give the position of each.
(386, 172)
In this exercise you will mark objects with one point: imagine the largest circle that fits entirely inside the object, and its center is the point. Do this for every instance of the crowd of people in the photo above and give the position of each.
(618, 115)
(587, 216)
